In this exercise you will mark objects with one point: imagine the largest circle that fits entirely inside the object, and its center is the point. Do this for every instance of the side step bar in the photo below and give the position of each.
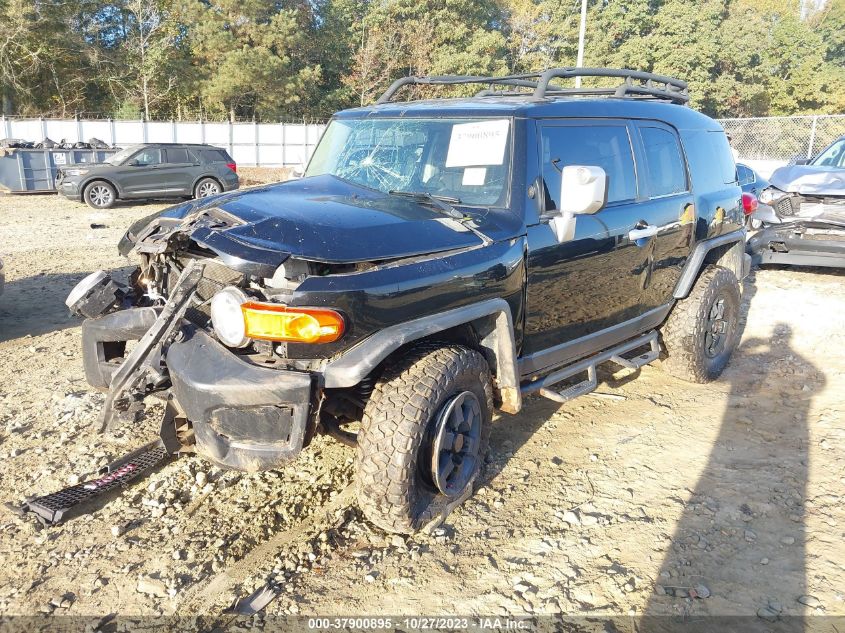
(614, 354)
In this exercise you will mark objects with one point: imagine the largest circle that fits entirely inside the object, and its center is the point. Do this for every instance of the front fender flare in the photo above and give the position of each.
(492, 320)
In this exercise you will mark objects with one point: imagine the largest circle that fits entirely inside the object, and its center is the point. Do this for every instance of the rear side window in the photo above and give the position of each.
(177, 155)
(666, 172)
(744, 174)
(215, 156)
(605, 146)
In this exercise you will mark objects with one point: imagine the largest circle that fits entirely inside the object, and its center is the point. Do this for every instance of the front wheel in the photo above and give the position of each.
(207, 187)
(100, 195)
(702, 331)
(423, 437)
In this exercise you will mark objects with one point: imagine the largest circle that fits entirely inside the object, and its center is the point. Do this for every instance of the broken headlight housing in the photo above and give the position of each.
(770, 195)
(96, 295)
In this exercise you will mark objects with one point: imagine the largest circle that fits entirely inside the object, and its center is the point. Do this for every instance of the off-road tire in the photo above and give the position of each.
(99, 194)
(392, 487)
(684, 333)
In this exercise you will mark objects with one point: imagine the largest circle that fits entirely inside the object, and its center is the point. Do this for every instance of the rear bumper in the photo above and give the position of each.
(230, 181)
(244, 416)
(784, 245)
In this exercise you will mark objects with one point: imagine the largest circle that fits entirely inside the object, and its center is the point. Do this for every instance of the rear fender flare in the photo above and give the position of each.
(491, 319)
(726, 250)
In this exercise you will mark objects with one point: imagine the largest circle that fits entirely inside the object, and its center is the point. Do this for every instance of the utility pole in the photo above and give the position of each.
(581, 33)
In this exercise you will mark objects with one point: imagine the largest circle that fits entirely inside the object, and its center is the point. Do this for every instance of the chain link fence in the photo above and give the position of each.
(785, 138)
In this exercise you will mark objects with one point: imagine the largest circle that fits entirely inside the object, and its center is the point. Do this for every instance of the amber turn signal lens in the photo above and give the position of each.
(274, 322)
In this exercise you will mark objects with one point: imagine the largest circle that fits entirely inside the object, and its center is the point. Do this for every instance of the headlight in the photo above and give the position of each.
(76, 172)
(770, 195)
(227, 317)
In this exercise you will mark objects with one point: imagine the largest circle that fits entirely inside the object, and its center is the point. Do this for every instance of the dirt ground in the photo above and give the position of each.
(652, 496)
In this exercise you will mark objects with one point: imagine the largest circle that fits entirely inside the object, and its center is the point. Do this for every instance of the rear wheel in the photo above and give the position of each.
(423, 437)
(100, 194)
(207, 187)
(702, 331)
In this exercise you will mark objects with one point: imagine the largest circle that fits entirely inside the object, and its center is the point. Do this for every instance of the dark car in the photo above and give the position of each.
(804, 220)
(750, 181)
(159, 170)
(440, 259)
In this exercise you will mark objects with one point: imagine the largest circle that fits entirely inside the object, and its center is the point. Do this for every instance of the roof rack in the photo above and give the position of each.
(635, 83)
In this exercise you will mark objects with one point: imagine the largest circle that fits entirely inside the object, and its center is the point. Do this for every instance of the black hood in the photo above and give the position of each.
(329, 220)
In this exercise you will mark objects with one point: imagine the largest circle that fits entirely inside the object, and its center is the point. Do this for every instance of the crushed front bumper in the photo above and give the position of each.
(799, 245)
(244, 416)
(69, 189)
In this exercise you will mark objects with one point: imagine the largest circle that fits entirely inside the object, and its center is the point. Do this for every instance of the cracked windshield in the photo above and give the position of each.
(464, 161)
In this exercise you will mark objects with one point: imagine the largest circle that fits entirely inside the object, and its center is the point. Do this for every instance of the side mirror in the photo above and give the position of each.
(133, 163)
(583, 190)
(802, 161)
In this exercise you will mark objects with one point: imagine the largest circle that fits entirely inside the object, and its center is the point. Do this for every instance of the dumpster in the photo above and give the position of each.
(34, 170)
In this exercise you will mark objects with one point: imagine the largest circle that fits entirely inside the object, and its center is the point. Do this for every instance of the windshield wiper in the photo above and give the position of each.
(444, 204)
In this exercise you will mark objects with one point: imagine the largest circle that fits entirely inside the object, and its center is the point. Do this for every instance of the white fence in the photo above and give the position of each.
(258, 144)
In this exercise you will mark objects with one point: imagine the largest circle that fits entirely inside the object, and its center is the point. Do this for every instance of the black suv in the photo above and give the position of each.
(159, 170)
(441, 259)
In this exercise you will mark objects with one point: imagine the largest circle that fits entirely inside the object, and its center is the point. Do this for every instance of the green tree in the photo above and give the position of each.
(247, 54)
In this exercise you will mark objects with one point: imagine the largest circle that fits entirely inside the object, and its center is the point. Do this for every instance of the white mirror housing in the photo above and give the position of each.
(583, 189)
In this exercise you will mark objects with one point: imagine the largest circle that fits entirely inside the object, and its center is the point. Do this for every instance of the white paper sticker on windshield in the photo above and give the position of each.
(478, 143)
(474, 176)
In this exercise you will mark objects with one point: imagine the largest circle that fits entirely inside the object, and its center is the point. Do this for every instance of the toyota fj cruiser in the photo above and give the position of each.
(440, 259)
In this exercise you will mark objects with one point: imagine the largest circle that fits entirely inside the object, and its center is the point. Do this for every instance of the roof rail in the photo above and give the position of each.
(452, 80)
(647, 84)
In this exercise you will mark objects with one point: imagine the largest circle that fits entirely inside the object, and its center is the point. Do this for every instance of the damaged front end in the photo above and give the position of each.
(802, 220)
(246, 409)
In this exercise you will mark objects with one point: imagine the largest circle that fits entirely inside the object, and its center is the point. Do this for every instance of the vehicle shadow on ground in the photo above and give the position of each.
(510, 433)
(746, 510)
(32, 306)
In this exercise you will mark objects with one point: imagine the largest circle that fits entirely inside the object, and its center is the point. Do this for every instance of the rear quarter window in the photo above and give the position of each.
(215, 156)
(711, 161)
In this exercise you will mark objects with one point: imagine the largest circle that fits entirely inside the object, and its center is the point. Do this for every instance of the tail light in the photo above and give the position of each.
(233, 166)
(749, 203)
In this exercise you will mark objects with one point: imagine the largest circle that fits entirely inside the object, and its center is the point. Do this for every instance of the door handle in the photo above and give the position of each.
(649, 230)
